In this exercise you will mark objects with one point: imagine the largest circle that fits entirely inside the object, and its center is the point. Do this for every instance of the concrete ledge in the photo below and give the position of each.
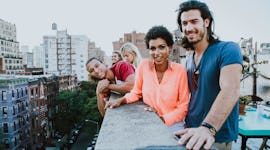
(131, 127)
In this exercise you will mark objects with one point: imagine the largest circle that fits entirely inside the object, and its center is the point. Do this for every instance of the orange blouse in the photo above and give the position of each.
(169, 98)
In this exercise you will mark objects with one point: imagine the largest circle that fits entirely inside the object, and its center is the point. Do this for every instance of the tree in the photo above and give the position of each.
(77, 106)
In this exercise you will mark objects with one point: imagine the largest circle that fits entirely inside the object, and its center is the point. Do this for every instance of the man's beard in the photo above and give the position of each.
(188, 44)
(201, 35)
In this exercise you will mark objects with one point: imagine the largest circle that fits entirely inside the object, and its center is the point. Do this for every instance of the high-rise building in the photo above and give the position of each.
(66, 54)
(11, 57)
(49, 46)
(14, 115)
(79, 56)
(38, 57)
(27, 56)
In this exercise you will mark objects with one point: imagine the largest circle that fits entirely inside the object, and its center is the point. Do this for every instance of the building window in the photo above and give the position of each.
(33, 123)
(4, 95)
(32, 93)
(13, 93)
(5, 127)
(22, 91)
(14, 126)
(15, 141)
(18, 94)
(26, 91)
(14, 110)
(6, 142)
(36, 92)
(4, 112)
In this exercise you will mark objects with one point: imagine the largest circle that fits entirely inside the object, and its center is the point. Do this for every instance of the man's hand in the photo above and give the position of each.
(195, 138)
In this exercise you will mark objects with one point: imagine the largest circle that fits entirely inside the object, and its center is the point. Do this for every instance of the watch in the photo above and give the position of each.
(212, 130)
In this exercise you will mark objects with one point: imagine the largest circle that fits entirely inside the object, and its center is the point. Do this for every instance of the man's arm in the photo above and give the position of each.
(101, 104)
(230, 89)
(100, 91)
(225, 101)
(125, 87)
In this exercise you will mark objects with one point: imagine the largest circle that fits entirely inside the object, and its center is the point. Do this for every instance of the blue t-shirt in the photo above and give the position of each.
(214, 58)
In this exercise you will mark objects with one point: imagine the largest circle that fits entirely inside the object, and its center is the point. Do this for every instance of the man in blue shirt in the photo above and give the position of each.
(214, 72)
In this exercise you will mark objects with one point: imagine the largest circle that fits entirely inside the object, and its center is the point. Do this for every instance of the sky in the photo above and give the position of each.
(105, 21)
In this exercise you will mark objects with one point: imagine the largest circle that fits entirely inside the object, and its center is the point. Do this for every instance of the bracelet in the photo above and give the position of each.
(210, 127)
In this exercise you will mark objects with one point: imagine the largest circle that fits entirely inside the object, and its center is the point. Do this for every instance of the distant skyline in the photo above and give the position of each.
(104, 21)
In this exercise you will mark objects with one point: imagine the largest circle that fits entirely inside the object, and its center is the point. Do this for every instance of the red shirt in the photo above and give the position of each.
(122, 70)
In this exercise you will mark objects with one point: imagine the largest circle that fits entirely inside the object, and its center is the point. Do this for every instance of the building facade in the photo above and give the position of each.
(38, 57)
(52, 90)
(66, 54)
(38, 111)
(94, 51)
(14, 120)
(9, 49)
(27, 56)
(178, 53)
(137, 39)
(265, 48)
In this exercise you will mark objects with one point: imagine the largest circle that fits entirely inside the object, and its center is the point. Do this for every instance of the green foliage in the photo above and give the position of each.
(245, 99)
(77, 106)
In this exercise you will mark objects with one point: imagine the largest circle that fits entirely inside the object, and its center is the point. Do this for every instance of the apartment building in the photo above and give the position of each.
(27, 56)
(94, 51)
(14, 120)
(137, 39)
(38, 110)
(11, 57)
(38, 56)
(67, 54)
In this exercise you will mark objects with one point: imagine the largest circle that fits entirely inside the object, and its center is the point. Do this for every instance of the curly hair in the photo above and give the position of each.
(159, 32)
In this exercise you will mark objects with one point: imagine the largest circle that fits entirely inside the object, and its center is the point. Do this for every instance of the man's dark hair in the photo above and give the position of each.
(92, 58)
(159, 32)
(205, 13)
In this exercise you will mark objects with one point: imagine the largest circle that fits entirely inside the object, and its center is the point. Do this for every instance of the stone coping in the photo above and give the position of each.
(131, 127)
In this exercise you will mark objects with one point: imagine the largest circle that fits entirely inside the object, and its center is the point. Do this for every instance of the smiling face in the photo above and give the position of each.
(159, 51)
(128, 57)
(193, 26)
(96, 69)
(115, 58)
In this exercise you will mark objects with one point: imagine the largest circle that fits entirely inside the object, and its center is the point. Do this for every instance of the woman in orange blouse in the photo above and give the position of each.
(162, 84)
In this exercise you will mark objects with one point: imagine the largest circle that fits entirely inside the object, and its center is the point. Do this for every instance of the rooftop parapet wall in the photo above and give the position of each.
(131, 127)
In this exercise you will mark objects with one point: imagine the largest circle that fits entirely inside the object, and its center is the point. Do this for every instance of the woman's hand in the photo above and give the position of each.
(114, 104)
(151, 109)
